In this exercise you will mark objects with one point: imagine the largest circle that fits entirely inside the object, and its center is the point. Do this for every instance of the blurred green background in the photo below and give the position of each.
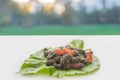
(59, 17)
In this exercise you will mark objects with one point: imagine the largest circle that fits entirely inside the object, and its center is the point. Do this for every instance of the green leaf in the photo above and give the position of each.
(35, 64)
(77, 44)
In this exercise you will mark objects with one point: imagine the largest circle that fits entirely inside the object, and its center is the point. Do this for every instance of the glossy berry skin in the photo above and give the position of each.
(66, 50)
(89, 56)
(59, 52)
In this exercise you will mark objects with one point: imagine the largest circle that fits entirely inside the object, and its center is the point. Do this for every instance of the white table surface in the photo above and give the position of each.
(15, 49)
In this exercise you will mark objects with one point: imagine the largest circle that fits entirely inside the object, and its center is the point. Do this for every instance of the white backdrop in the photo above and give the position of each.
(15, 49)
